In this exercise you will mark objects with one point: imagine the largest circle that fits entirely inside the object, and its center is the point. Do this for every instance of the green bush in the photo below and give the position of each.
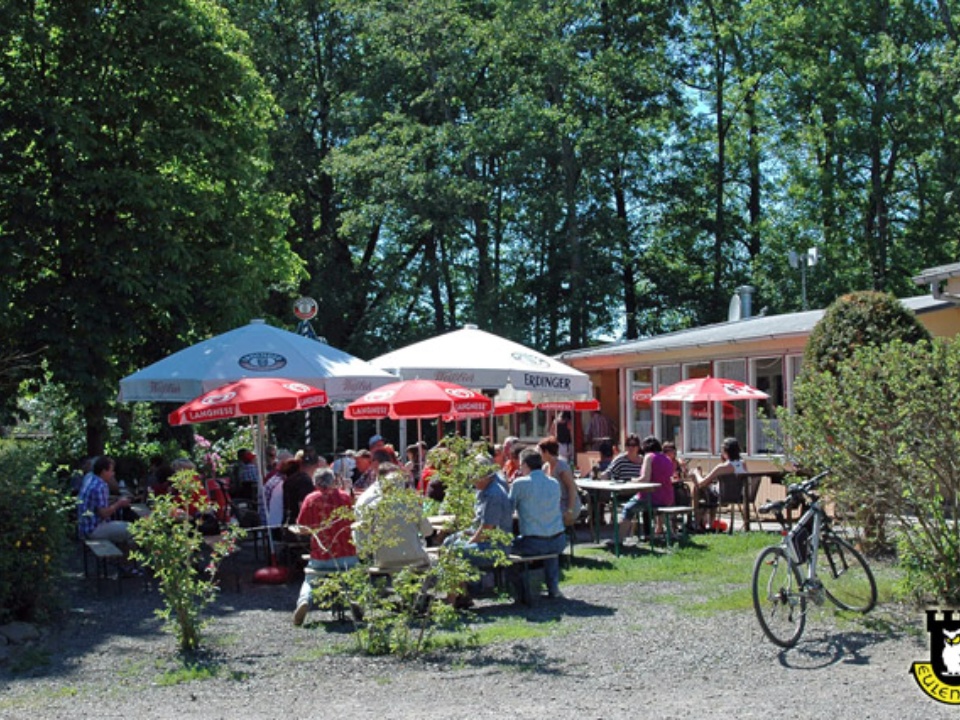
(35, 530)
(885, 423)
(398, 619)
(855, 320)
(170, 544)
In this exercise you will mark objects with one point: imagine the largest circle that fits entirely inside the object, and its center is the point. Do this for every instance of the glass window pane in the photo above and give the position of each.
(697, 415)
(769, 378)
(733, 415)
(641, 391)
(668, 414)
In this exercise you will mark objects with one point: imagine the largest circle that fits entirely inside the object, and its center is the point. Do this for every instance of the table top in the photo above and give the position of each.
(614, 486)
(440, 520)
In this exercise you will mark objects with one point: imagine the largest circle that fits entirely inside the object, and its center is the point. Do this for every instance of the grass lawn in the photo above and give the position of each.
(714, 571)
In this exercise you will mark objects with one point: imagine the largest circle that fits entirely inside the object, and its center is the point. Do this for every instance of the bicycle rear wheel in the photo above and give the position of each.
(777, 600)
(845, 575)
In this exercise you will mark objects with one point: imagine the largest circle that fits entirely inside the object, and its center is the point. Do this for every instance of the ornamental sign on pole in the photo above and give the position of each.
(305, 309)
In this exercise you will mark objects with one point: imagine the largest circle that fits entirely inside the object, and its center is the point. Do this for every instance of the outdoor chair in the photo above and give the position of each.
(731, 495)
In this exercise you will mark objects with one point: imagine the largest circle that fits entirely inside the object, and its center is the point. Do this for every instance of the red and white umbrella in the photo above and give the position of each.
(709, 389)
(419, 399)
(570, 405)
(248, 397)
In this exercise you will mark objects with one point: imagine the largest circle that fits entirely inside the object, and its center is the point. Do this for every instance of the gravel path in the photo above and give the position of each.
(603, 652)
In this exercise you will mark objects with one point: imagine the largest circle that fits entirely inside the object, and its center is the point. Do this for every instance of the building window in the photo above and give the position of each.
(669, 415)
(732, 416)
(768, 376)
(641, 390)
(697, 415)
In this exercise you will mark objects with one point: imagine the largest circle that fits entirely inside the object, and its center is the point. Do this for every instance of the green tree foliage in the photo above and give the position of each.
(134, 213)
(856, 320)
(883, 420)
(35, 527)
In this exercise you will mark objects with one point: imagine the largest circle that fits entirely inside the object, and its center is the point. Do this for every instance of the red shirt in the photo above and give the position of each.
(333, 536)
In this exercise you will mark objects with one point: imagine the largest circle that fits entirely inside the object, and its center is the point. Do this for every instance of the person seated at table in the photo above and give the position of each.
(299, 484)
(331, 544)
(655, 468)
(606, 455)
(95, 512)
(559, 469)
(491, 511)
(390, 522)
(627, 465)
(535, 497)
(707, 493)
(681, 491)
(509, 463)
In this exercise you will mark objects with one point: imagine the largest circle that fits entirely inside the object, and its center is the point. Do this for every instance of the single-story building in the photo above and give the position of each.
(763, 351)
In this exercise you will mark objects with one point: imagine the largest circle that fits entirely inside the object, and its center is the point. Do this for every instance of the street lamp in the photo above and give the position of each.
(803, 260)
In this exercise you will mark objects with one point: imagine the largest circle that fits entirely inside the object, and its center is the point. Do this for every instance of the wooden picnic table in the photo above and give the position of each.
(616, 490)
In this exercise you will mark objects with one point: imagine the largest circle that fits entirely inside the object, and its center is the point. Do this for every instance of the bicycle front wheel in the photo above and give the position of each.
(845, 576)
(780, 606)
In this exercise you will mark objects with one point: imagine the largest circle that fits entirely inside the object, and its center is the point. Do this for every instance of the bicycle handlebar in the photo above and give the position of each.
(805, 488)
(795, 495)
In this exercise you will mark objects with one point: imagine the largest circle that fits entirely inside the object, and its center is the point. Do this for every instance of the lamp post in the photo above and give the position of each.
(803, 260)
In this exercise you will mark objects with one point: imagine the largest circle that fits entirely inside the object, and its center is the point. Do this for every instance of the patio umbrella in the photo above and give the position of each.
(477, 359)
(418, 399)
(709, 389)
(253, 397)
(249, 396)
(253, 350)
(410, 399)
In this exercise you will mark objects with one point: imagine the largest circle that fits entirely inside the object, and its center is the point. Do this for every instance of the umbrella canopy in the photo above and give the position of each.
(570, 405)
(419, 399)
(709, 389)
(250, 396)
(254, 350)
(478, 359)
(500, 408)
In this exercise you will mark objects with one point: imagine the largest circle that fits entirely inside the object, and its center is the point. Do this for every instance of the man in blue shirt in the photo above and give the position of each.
(535, 497)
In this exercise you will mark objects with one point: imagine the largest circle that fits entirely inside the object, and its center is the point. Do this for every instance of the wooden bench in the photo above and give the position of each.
(104, 552)
(528, 589)
(672, 512)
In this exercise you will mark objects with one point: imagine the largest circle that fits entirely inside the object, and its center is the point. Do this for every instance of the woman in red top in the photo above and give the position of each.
(331, 545)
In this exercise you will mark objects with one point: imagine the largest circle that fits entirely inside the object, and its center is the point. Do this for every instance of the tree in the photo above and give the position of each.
(883, 422)
(133, 208)
(859, 320)
(856, 320)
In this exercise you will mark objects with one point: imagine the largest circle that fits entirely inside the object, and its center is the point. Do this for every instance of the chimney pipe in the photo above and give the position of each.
(746, 301)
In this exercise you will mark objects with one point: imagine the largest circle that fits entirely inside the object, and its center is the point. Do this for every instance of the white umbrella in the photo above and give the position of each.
(483, 361)
(477, 359)
(254, 350)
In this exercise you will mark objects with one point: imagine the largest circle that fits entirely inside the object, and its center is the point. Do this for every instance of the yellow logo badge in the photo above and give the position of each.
(940, 678)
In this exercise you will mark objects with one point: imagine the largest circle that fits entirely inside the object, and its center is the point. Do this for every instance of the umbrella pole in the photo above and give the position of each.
(273, 575)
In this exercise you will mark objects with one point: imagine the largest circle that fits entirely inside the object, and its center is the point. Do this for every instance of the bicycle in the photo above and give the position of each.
(781, 592)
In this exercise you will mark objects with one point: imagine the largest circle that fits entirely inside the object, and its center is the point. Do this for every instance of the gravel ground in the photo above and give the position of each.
(605, 652)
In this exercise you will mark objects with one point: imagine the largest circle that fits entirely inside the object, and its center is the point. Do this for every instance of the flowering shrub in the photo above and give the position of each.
(170, 544)
(35, 526)
(213, 458)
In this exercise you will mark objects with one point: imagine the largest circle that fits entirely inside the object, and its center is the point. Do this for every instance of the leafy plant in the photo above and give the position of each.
(170, 544)
(855, 320)
(35, 524)
(399, 616)
(884, 422)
